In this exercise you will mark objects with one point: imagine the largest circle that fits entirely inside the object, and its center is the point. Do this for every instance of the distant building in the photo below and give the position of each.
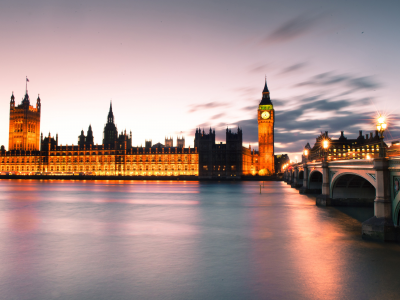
(219, 160)
(180, 142)
(116, 156)
(169, 142)
(24, 130)
(362, 147)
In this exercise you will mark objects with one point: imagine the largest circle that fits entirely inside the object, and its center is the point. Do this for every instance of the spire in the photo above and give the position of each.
(265, 95)
(266, 90)
(12, 97)
(110, 114)
(25, 99)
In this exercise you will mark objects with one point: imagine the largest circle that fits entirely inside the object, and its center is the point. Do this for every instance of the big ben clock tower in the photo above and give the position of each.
(266, 119)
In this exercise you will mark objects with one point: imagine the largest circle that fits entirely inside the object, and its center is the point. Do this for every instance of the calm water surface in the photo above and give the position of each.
(185, 240)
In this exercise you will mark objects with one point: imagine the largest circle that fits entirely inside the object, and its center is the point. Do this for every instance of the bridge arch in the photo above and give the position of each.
(352, 189)
(315, 181)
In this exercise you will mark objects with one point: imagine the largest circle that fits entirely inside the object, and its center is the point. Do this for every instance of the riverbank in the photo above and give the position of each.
(163, 178)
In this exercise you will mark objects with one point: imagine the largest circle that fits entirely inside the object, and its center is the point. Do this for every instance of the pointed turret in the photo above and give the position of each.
(266, 90)
(110, 115)
(12, 101)
(265, 95)
(26, 99)
(81, 139)
(38, 102)
(110, 133)
(89, 137)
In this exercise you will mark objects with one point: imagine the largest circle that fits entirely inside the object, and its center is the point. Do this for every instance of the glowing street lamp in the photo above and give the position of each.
(381, 127)
(325, 144)
(305, 152)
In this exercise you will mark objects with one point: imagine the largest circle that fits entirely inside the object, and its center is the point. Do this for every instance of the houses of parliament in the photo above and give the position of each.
(31, 153)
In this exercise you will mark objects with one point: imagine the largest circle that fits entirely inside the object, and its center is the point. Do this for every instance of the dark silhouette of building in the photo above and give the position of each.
(219, 160)
(110, 130)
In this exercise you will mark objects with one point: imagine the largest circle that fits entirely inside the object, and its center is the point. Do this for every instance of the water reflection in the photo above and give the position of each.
(183, 240)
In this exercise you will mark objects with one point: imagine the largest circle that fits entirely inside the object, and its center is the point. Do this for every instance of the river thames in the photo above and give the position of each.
(185, 240)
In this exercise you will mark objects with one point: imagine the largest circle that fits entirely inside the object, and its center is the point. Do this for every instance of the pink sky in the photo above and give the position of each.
(158, 61)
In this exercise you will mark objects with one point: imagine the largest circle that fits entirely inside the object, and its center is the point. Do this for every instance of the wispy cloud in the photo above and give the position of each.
(330, 78)
(205, 106)
(259, 68)
(218, 116)
(293, 28)
(294, 68)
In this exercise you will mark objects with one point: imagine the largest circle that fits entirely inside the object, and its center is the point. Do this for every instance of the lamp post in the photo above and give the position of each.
(305, 154)
(381, 127)
(325, 144)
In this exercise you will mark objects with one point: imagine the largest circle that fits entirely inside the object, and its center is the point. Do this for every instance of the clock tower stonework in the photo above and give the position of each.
(266, 120)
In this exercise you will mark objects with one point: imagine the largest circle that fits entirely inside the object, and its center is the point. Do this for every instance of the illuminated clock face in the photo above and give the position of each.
(265, 115)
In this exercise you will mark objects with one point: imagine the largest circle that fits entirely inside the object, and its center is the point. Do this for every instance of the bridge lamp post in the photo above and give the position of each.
(325, 144)
(381, 126)
(305, 154)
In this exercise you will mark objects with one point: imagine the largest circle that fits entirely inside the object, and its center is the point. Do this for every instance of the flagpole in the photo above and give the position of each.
(26, 85)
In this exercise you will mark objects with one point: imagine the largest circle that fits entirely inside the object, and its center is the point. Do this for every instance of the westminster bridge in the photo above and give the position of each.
(355, 182)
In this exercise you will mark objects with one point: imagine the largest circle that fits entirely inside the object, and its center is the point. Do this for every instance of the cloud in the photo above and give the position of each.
(258, 68)
(205, 106)
(293, 68)
(330, 78)
(217, 116)
(252, 107)
(247, 91)
(299, 121)
(364, 83)
(293, 28)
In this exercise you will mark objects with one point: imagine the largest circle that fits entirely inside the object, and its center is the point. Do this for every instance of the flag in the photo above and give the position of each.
(27, 80)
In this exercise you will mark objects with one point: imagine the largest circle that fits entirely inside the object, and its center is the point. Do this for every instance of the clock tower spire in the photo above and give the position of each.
(266, 120)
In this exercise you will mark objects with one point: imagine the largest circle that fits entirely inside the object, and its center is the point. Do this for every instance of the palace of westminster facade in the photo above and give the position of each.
(30, 153)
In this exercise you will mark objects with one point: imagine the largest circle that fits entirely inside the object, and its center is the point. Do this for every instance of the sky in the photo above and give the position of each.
(172, 66)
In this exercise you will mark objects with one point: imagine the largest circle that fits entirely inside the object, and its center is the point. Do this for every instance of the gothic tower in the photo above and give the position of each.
(89, 137)
(24, 130)
(266, 119)
(110, 130)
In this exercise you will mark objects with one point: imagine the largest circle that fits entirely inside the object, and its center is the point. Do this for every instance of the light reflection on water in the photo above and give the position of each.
(184, 240)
